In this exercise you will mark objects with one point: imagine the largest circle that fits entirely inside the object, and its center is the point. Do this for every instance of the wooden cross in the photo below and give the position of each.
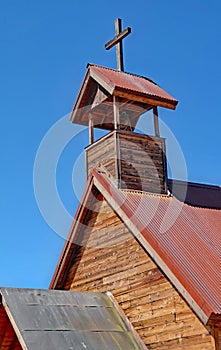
(117, 40)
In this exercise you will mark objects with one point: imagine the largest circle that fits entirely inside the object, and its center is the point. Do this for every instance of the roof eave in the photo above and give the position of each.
(89, 74)
(152, 100)
(80, 95)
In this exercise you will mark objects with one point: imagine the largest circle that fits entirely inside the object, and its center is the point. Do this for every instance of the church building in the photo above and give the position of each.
(140, 268)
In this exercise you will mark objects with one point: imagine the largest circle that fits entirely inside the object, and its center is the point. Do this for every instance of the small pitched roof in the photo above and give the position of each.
(44, 319)
(184, 241)
(137, 93)
(200, 195)
(116, 81)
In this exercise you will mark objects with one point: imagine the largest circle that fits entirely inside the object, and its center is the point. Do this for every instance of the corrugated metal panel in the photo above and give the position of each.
(67, 320)
(131, 82)
(187, 238)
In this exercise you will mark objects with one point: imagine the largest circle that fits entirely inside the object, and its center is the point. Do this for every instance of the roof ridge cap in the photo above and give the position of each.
(161, 195)
(146, 193)
(122, 72)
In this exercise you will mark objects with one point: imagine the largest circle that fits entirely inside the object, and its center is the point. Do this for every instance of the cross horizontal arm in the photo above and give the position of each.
(118, 38)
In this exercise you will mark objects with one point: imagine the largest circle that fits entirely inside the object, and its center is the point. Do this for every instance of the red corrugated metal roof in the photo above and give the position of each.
(134, 94)
(131, 82)
(187, 239)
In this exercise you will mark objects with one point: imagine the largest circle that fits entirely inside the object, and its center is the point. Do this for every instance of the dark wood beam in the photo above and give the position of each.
(91, 130)
(156, 122)
(118, 38)
(117, 41)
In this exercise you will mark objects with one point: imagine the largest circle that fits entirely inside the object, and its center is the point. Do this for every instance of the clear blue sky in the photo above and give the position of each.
(45, 46)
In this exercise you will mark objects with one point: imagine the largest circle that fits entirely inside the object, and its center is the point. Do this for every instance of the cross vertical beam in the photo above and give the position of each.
(117, 41)
(119, 46)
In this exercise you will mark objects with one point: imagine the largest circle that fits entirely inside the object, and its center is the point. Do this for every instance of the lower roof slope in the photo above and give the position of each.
(185, 241)
(49, 319)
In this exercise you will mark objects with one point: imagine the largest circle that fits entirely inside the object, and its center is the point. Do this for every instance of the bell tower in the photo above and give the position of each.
(114, 100)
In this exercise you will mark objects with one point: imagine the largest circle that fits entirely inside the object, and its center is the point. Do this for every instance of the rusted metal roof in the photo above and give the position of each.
(126, 81)
(46, 319)
(184, 238)
(135, 95)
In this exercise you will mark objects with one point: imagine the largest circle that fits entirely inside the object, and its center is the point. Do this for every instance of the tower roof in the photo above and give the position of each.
(135, 93)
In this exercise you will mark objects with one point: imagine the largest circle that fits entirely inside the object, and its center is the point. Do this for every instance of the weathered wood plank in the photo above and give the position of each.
(112, 260)
(129, 156)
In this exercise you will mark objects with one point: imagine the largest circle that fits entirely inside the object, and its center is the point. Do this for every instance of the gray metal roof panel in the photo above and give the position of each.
(81, 340)
(50, 319)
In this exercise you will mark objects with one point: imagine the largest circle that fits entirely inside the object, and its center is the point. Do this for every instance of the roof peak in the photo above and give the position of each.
(121, 72)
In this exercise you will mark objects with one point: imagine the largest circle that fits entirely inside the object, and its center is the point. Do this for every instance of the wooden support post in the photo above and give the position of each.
(116, 112)
(156, 122)
(91, 130)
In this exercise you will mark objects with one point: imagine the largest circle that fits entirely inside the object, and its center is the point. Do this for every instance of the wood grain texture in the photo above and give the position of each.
(136, 161)
(101, 152)
(219, 338)
(111, 259)
(216, 331)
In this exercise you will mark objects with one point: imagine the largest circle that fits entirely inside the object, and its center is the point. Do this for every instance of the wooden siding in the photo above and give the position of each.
(8, 338)
(137, 161)
(217, 335)
(102, 152)
(142, 162)
(111, 259)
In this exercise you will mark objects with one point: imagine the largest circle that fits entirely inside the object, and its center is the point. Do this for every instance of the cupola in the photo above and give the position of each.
(114, 100)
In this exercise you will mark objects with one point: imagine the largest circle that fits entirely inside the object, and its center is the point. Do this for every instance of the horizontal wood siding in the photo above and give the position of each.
(139, 160)
(143, 163)
(102, 152)
(111, 259)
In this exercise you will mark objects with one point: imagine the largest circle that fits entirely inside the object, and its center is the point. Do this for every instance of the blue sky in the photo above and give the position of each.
(45, 46)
